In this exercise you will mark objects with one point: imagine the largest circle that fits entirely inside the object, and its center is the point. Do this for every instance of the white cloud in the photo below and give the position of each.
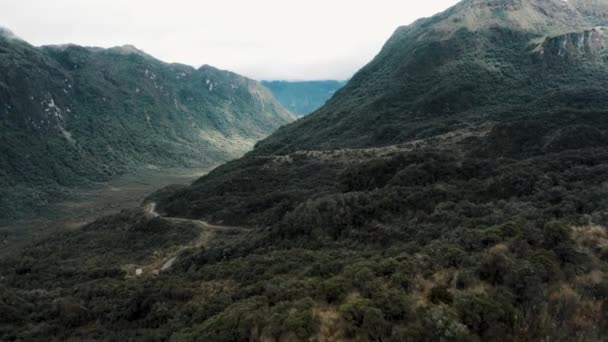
(263, 39)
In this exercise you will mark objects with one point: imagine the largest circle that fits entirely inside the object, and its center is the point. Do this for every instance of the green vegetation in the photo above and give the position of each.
(454, 190)
(303, 97)
(71, 115)
(445, 243)
(438, 75)
(595, 10)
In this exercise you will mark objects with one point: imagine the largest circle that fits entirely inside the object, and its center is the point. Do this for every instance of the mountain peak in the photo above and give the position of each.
(128, 50)
(8, 34)
(543, 17)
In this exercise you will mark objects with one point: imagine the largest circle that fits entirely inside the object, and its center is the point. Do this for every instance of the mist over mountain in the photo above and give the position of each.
(73, 114)
(303, 97)
(453, 190)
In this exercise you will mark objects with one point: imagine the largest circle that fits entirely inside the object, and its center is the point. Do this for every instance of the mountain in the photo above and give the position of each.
(509, 78)
(453, 190)
(73, 114)
(477, 59)
(303, 97)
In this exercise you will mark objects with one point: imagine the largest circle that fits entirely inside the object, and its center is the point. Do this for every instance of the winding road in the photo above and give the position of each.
(151, 210)
(165, 262)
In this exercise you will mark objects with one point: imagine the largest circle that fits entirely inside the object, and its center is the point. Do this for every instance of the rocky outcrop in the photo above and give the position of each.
(574, 45)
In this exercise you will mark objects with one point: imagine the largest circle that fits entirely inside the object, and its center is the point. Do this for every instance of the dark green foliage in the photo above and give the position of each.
(502, 228)
(484, 220)
(441, 294)
(487, 315)
(361, 316)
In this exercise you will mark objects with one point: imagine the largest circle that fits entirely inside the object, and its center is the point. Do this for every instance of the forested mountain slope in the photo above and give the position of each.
(72, 114)
(454, 190)
(479, 59)
(503, 78)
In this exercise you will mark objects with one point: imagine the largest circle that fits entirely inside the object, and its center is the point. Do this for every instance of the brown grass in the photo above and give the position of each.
(592, 236)
(331, 324)
(347, 155)
(500, 248)
(423, 286)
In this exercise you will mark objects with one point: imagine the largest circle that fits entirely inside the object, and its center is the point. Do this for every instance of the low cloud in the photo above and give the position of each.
(265, 39)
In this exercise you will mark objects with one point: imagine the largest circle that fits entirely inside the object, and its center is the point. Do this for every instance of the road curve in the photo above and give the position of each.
(151, 210)
(164, 264)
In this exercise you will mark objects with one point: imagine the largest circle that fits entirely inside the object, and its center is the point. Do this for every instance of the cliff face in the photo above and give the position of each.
(583, 44)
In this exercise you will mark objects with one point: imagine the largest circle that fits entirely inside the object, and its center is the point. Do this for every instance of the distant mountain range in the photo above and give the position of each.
(72, 114)
(303, 97)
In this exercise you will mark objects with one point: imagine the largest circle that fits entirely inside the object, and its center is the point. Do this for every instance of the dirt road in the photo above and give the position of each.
(164, 260)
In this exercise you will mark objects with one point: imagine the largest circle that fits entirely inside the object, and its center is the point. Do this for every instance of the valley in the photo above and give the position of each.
(74, 115)
(85, 205)
(454, 189)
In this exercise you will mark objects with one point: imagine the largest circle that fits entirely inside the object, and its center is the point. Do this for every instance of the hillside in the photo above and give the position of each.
(303, 97)
(454, 190)
(73, 114)
(479, 59)
(491, 82)
(595, 11)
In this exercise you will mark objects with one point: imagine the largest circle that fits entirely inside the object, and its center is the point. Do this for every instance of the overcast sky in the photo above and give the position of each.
(262, 39)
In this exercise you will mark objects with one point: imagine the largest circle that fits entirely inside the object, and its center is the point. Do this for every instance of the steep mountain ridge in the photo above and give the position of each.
(546, 17)
(533, 91)
(440, 66)
(72, 114)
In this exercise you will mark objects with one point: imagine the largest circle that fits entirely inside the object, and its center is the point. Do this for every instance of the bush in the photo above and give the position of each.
(487, 316)
(440, 294)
